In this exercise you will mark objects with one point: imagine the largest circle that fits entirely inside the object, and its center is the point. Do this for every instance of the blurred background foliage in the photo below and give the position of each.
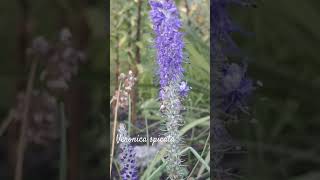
(130, 32)
(283, 49)
(22, 21)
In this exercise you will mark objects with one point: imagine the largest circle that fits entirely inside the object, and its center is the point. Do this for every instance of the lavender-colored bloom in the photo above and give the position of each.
(169, 51)
(237, 87)
(184, 89)
(127, 157)
(168, 41)
(128, 163)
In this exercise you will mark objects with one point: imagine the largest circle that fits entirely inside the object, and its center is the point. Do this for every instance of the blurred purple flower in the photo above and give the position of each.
(237, 87)
(230, 84)
(222, 27)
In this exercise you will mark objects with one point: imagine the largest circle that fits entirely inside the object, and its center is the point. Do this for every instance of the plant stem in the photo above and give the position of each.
(24, 123)
(117, 60)
(134, 92)
(147, 130)
(114, 127)
(188, 11)
(129, 115)
(5, 124)
(204, 148)
(138, 58)
(63, 145)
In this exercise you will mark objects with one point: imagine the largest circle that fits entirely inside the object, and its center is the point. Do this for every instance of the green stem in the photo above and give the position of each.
(197, 156)
(114, 127)
(204, 148)
(63, 144)
(147, 131)
(129, 117)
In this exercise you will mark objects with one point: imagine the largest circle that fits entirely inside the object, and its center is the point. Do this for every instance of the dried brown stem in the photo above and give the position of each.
(138, 58)
(114, 128)
(188, 11)
(5, 124)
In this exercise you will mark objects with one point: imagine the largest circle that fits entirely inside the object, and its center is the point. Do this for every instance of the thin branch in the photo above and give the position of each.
(117, 60)
(5, 124)
(63, 145)
(24, 123)
(188, 11)
(137, 61)
(138, 58)
(114, 127)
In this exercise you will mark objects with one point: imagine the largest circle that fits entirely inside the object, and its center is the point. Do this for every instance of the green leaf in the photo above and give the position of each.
(197, 59)
(140, 44)
(187, 127)
(123, 40)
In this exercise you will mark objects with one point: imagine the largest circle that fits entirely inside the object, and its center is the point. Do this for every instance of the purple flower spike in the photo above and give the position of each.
(169, 54)
(168, 41)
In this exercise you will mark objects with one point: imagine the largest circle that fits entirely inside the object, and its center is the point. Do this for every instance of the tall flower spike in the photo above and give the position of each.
(169, 52)
(230, 86)
(127, 157)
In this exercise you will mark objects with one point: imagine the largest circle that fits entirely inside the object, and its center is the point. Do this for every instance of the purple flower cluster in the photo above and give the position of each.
(43, 127)
(168, 42)
(127, 157)
(237, 87)
(61, 62)
(128, 163)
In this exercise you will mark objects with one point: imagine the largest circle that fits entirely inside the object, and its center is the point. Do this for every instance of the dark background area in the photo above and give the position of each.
(85, 104)
(281, 139)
